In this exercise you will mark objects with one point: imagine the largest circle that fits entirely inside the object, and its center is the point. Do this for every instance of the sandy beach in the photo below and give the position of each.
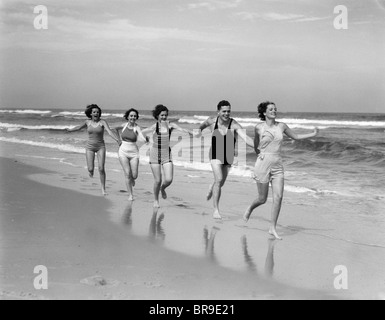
(95, 247)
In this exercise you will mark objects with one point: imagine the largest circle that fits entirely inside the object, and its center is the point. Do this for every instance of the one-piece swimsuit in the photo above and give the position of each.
(160, 152)
(95, 136)
(223, 145)
(269, 163)
(128, 148)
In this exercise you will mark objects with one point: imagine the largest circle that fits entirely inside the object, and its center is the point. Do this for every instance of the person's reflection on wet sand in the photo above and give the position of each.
(209, 239)
(155, 230)
(269, 262)
(252, 267)
(127, 215)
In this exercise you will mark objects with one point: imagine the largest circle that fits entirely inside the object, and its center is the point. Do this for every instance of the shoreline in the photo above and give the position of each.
(178, 252)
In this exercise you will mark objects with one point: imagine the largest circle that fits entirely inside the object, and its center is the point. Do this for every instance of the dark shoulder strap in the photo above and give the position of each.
(157, 128)
(216, 124)
(231, 121)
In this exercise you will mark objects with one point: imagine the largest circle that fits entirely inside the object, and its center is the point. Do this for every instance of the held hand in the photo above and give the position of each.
(197, 134)
(316, 131)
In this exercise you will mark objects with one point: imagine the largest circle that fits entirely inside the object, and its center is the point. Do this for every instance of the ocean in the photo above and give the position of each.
(345, 162)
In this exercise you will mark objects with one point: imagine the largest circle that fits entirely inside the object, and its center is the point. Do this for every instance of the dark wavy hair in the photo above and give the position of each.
(223, 103)
(89, 108)
(158, 110)
(262, 109)
(128, 113)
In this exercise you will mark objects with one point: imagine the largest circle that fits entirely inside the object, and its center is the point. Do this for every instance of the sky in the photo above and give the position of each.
(189, 55)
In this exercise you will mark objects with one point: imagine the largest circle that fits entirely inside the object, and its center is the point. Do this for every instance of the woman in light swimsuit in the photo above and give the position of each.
(224, 132)
(269, 167)
(160, 152)
(95, 144)
(128, 150)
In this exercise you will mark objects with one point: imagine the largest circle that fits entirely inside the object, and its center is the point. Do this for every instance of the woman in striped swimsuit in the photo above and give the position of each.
(95, 144)
(160, 152)
(128, 151)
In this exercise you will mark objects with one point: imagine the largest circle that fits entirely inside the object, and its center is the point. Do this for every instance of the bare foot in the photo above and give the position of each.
(209, 193)
(91, 174)
(274, 233)
(217, 215)
(130, 197)
(156, 204)
(247, 215)
(104, 192)
(164, 194)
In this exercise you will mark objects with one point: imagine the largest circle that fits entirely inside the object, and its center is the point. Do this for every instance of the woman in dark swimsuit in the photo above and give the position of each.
(160, 152)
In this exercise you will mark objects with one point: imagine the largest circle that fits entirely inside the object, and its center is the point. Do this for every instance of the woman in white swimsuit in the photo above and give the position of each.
(268, 167)
(128, 150)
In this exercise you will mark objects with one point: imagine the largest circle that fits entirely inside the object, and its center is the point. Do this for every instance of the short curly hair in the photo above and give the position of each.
(262, 109)
(158, 110)
(223, 103)
(128, 113)
(89, 108)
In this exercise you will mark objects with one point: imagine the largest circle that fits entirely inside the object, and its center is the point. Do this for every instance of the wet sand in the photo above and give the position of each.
(96, 247)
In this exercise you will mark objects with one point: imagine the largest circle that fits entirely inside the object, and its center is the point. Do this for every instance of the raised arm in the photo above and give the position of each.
(242, 133)
(209, 122)
(77, 128)
(291, 134)
(110, 132)
(149, 129)
(140, 134)
(256, 140)
(206, 124)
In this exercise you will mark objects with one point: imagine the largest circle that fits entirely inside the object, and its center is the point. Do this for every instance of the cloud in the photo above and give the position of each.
(70, 33)
(272, 16)
(381, 4)
(215, 5)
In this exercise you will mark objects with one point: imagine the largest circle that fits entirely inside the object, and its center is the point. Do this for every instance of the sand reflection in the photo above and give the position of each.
(269, 261)
(156, 230)
(209, 240)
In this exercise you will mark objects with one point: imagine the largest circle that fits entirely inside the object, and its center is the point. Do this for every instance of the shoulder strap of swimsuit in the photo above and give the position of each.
(216, 124)
(157, 128)
(125, 127)
(231, 121)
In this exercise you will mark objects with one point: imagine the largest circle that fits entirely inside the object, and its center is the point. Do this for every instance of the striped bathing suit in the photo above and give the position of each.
(269, 163)
(160, 152)
(95, 137)
(128, 148)
(223, 146)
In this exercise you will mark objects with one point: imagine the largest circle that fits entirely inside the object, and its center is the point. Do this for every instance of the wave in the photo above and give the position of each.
(242, 172)
(26, 111)
(352, 151)
(295, 123)
(81, 115)
(61, 147)
(14, 127)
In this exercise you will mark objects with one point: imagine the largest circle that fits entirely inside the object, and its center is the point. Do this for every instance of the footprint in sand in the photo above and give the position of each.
(99, 281)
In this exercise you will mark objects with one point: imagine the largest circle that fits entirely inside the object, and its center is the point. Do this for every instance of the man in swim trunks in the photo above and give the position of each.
(225, 130)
